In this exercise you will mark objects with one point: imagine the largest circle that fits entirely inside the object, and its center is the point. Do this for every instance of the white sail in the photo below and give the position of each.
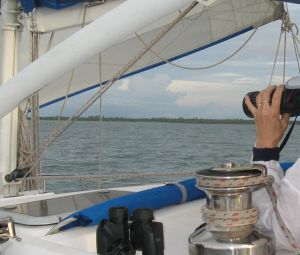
(200, 29)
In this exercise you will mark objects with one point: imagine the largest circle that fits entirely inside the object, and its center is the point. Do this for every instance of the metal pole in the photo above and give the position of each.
(9, 123)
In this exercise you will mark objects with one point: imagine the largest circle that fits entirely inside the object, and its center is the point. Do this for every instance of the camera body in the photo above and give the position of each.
(290, 101)
(115, 237)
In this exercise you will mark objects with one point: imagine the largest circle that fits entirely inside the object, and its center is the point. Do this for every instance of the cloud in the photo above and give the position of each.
(205, 94)
(124, 85)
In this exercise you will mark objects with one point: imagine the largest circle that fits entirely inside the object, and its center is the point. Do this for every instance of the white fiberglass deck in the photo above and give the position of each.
(179, 222)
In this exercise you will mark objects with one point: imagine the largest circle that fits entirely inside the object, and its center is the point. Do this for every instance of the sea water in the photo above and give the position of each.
(146, 147)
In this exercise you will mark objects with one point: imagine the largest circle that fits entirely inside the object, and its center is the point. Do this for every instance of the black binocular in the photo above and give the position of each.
(290, 101)
(116, 236)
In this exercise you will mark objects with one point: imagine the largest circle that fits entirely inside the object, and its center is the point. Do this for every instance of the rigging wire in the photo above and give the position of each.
(49, 46)
(276, 55)
(284, 57)
(66, 96)
(100, 122)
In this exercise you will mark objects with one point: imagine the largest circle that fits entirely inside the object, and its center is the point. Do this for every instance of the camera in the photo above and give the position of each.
(116, 236)
(290, 101)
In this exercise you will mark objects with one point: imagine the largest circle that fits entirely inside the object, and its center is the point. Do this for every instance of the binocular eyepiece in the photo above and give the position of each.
(116, 236)
(290, 101)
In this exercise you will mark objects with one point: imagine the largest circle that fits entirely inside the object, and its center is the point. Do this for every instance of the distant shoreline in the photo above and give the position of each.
(164, 120)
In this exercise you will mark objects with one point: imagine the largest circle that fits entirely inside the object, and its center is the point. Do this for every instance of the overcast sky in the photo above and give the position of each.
(215, 93)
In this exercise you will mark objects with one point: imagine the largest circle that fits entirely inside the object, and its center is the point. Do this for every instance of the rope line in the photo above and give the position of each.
(212, 65)
(230, 219)
(202, 67)
(276, 55)
(206, 182)
(297, 53)
(66, 96)
(287, 233)
(112, 176)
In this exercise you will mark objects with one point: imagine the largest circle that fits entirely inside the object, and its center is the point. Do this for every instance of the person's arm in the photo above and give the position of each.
(270, 127)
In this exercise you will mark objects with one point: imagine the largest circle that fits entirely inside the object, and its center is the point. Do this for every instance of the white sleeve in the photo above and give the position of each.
(261, 199)
(288, 203)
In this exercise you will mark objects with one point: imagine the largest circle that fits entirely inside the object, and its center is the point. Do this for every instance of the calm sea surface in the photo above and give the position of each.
(140, 147)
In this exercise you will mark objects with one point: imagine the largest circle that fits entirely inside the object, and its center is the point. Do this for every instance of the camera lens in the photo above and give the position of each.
(143, 215)
(118, 215)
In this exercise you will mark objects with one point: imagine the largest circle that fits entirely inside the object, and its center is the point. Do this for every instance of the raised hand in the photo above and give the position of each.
(270, 124)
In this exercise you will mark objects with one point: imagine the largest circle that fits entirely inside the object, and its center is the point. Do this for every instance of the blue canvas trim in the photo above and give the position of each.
(29, 5)
(291, 1)
(58, 4)
(286, 165)
(152, 66)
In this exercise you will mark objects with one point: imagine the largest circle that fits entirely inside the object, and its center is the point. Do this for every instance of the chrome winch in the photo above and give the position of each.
(229, 214)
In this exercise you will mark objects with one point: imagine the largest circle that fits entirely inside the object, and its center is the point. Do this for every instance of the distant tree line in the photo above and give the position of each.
(161, 119)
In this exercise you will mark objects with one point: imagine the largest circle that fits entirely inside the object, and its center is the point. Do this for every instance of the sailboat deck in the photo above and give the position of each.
(179, 222)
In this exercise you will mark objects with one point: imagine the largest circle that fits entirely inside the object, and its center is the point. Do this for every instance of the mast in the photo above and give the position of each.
(9, 123)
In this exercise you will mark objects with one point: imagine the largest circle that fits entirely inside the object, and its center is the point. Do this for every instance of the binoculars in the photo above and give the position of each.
(118, 236)
(290, 101)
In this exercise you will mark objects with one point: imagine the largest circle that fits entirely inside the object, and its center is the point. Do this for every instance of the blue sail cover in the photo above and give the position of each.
(29, 5)
(154, 198)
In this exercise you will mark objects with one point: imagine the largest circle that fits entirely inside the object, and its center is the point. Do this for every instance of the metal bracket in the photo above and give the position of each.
(7, 230)
(58, 226)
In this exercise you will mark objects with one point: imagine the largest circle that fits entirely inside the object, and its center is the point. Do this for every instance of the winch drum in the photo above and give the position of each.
(229, 190)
